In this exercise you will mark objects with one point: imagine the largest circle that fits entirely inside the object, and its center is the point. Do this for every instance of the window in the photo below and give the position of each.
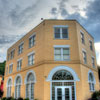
(61, 53)
(8, 56)
(91, 45)
(82, 38)
(12, 54)
(84, 57)
(93, 62)
(61, 32)
(30, 86)
(19, 64)
(17, 87)
(91, 82)
(10, 68)
(9, 85)
(6, 70)
(20, 48)
(32, 41)
(31, 59)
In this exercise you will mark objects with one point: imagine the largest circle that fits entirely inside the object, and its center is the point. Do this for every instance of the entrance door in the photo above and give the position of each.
(63, 93)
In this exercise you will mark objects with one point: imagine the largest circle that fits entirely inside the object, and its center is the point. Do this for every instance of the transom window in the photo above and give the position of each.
(10, 68)
(84, 57)
(91, 82)
(32, 41)
(31, 59)
(30, 87)
(19, 64)
(62, 75)
(20, 48)
(82, 37)
(18, 87)
(61, 53)
(61, 32)
(9, 85)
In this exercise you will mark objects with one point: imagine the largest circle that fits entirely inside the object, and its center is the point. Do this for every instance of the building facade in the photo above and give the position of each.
(55, 61)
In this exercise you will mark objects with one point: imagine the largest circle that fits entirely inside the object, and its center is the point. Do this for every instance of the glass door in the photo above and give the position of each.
(63, 93)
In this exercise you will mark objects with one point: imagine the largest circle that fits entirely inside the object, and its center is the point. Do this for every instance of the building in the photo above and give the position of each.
(55, 61)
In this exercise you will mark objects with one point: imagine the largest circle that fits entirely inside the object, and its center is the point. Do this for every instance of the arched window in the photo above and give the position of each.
(91, 82)
(9, 85)
(30, 86)
(17, 87)
(62, 75)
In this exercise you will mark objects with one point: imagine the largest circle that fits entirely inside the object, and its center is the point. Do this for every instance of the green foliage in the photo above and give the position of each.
(26, 99)
(96, 95)
(20, 98)
(2, 67)
(4, 98)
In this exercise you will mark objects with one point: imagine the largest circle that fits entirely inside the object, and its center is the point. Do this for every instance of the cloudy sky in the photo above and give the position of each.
(17, 17)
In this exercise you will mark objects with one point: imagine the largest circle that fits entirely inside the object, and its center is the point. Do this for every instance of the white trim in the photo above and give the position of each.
(13, 49)
(32, 35)
(11, 81)
(61, 46)
(93, 76)
(81, 31)
(10, 64)
(16, 78)
(31, 71)
(50, 75)
(19, 59)
(83, 50)
(92, 57)
(30, 53)
(61, 26)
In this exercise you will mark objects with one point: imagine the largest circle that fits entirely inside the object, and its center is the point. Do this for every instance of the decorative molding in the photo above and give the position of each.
(61, 46)
(62, 26)
(11, 81)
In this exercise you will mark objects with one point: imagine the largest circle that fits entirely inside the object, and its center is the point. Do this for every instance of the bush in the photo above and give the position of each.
(96, 95)
(10, 98)
(26, 99)
(4, 98)
(20, 98)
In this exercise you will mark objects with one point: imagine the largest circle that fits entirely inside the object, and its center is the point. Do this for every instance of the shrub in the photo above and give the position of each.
(10, 98)
(4, 98)
(96, 95)
(20, 98)
(26, 99)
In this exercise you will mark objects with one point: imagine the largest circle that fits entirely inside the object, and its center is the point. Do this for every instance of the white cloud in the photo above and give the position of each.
(97, 48)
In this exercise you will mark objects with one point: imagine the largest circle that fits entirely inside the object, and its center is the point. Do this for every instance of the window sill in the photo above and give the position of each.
(61, 38)
(62, 60)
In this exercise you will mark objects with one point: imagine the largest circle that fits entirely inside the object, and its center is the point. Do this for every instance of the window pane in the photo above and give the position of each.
(57, 32)
(58, 57)
(57, 50)
(64, 32)
(66, 51)
(66, 57)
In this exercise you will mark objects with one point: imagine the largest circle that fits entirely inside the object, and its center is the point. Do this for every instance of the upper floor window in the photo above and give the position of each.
(20, 48)
(31, 59)
(12, 54)
(6, 70)
(61, 53)
(93, 62)
(91, 81)
(10, 68)
(61, 32)
(91, 45)
(19, 64)
(82, 38)
(8, 57)
(84, 57)
(32, 41)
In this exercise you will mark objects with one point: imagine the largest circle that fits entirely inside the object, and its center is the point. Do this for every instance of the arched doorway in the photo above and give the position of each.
(63, 83)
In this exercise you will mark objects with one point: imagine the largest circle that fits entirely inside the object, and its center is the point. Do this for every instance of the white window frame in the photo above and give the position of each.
(93, 61)
(61, 26)
(90, 41)
(19, 67)
(12, 53)
(82, 37)
(62, 46)
(10, 68)
(84, 51)
(22, 46)
(29, 54)
(34, 34)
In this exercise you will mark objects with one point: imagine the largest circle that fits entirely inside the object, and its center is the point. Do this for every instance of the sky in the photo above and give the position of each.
(17, 17)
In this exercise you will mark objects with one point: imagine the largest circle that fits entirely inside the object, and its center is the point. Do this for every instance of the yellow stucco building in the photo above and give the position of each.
(55, 61)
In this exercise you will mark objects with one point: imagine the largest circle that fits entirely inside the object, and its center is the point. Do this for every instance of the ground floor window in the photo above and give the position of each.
(9, 85)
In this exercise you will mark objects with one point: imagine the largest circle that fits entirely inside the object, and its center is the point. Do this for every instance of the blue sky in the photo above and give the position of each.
(17, 17)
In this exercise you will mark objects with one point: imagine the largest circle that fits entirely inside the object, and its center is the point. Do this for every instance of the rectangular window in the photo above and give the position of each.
(93, 62)
(19, 64)
(31, 59)
(84, 57)
(61, 54)
(32, 41)
(91, 45)
(20, 48)
(10, 68)
(6, 70)
(8, 57)
(12, 54)
(82, 38)
(61, 32)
